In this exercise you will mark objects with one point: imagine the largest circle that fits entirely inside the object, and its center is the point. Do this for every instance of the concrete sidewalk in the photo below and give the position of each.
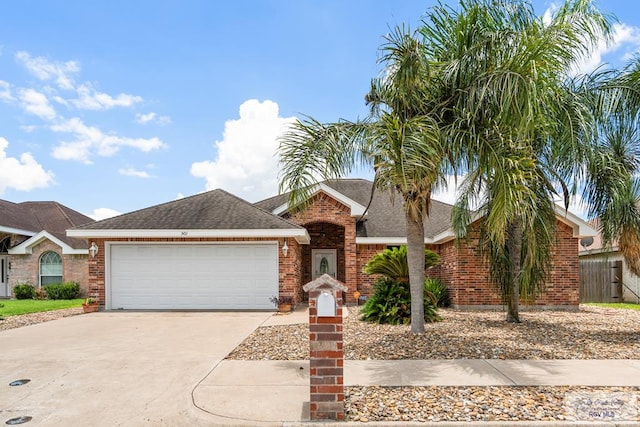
(273, 392)
(282, 387)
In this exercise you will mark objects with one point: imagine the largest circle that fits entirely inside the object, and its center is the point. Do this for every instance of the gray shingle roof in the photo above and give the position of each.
(213, 210)
(385, 217)
(48, 216)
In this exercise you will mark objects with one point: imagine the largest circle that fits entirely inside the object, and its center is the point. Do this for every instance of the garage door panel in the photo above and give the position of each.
(193, 276)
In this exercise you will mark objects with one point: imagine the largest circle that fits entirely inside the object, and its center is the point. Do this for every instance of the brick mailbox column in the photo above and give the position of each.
(326, 373)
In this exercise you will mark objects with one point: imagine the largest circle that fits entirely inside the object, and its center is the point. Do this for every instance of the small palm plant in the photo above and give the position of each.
(391, 299)
(393, 264)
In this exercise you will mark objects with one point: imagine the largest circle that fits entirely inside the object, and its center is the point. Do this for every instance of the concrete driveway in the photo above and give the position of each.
(120, 368)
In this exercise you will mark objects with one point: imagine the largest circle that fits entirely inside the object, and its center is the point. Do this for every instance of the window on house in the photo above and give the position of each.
(50, 268)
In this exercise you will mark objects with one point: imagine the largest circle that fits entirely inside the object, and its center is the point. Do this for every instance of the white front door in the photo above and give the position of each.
(323, 261)
(4, 276)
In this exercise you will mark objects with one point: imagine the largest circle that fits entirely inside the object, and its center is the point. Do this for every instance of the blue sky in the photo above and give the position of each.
(109, 107)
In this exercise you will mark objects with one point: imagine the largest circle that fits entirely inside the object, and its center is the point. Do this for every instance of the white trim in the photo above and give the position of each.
(580, 227)
(300, 235)
(356, 208)
(26, 247)
(443, 237)
(11, 230)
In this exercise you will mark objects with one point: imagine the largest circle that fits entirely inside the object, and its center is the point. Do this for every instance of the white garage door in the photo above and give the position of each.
(193, 276)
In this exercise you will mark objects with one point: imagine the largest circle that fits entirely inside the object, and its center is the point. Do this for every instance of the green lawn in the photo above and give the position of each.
(24, 306)
(622, 305)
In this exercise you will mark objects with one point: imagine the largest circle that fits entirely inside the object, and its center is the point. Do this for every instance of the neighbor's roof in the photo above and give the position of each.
(215, 213)
(385, 217)
(31, 218)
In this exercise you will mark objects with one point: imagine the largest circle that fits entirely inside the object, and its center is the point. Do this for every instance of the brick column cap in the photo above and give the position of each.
(323, 282)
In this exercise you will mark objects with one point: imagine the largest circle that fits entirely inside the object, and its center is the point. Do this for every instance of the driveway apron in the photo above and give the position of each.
(116, 368)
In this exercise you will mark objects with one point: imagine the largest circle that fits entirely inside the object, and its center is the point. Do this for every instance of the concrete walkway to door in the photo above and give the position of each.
(116, 368)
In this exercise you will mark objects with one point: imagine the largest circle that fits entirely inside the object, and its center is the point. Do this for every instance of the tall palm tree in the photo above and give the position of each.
(399, 140)
(523, 132)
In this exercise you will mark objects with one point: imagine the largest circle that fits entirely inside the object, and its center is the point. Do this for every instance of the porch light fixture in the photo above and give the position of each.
(93, 250)
(285, 248)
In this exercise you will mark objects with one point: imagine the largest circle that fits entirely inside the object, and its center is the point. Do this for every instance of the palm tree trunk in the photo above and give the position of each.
(514, 249)
(415, 259)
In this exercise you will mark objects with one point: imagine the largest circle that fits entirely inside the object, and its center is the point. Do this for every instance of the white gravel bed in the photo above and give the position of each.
(11, 322)
(590, 333)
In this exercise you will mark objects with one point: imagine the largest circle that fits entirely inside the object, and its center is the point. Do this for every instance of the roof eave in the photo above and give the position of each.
(357, 209)
(580, 227)
(299, 234)
(26, 247)
(18, 231)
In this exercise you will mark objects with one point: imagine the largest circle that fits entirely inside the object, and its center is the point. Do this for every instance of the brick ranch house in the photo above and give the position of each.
(217, 251)
(35, 249)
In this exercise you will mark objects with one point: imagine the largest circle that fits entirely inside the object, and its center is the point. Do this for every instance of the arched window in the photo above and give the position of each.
(50, 268)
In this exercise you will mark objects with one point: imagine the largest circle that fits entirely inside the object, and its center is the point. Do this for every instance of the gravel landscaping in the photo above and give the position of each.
(590, 333)
(11, 322)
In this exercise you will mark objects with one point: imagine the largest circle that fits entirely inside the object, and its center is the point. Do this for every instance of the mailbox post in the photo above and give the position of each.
(326, 364)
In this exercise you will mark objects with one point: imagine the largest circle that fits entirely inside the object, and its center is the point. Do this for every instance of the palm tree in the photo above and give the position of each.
(524, 132)
(399, 140)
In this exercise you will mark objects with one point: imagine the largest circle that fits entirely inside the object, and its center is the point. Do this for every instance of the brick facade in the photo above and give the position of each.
(466, 274)
(323, 209)
(289, 267)
(26, 268)
(331, 226)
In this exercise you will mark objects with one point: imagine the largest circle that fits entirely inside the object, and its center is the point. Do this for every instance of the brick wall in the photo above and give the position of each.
(364, 255)
(324, 209)
(26, 268)
(289, 267)
(467, 275)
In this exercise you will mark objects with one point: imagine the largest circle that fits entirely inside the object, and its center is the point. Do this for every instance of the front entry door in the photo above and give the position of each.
(4, 276)
(323, 261)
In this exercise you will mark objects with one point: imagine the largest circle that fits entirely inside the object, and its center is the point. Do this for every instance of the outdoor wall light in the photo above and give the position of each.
(285, 248)
(93, 250)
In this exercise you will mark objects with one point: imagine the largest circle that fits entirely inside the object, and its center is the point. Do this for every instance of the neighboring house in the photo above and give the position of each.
(605, 276)
(35, 249)
(217, 251)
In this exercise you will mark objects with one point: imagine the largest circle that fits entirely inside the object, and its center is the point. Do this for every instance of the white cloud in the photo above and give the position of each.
(5, 91)
(626, 38)
(91, 141)
(90, 99)
(133, 172)
(36, 103)
(246, 163)
(152, 118)
(28, 128)
(43, 69)
(23, 174)
(103, 213)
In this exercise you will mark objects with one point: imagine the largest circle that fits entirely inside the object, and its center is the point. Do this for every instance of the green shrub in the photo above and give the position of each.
(67, 290)
(393, 264)
(439, 290)
(24, 291)
(391, 303)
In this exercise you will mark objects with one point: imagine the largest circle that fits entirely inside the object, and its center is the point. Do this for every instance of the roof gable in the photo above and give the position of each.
(68, 245)
(356, 208)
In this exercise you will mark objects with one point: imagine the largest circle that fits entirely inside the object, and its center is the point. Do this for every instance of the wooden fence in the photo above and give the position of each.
(600, 281)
